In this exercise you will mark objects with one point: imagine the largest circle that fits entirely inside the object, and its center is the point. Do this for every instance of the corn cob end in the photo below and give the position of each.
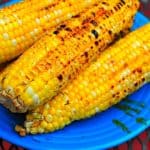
(14, 105)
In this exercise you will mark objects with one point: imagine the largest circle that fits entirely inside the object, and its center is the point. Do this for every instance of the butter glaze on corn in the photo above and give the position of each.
(120, 70)
(43, 70)
(20, 26)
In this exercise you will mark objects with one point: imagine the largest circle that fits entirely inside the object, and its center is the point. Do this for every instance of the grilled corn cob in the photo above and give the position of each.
(57, 58)
(20, 26)
(120, 70)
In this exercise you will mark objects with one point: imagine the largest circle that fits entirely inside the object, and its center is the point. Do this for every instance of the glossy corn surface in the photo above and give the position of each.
(120, 70)
(24, 23)
(42, 71)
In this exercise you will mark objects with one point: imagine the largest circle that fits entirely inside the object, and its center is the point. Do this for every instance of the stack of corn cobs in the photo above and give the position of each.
(73, 59)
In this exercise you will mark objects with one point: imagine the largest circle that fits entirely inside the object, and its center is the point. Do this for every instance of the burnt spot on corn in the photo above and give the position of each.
(101, 27)
(68, 62)
(112, 87)
(119, 6)
(86, 54)
(60, 77)
(107, 15)
(68, 29)
(93, 13)
(46, 8)
(96, 43)
(56, 32)
(93, 22)
(128, 6)
(123, 2)
(95, 33)
(114, 95)
(116, 8)
(69, 77)
(125, 91)
(62, 26)
(84, 27)
(123, 78)
(139, 70)
(67, 102)
(89, 36)
(110, 32)
(111, 11)
(136, 84)
(44, 30)
(76, 16)
(86, 21)
(116, 37)
(122, 33)
(99, 49)
(134, 71)
(143, 79)
(62, 39)
(105, 3)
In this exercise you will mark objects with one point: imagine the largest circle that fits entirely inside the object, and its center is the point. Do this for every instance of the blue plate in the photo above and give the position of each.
(102, 131)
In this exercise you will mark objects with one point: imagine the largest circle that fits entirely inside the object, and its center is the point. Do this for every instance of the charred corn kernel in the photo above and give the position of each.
(97, 94)
(2, 66)
(42, 71)
(18, 20)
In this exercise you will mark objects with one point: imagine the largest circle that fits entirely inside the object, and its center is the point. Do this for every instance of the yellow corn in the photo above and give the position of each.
(120, 70)
(24, 23)
(44, 69)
